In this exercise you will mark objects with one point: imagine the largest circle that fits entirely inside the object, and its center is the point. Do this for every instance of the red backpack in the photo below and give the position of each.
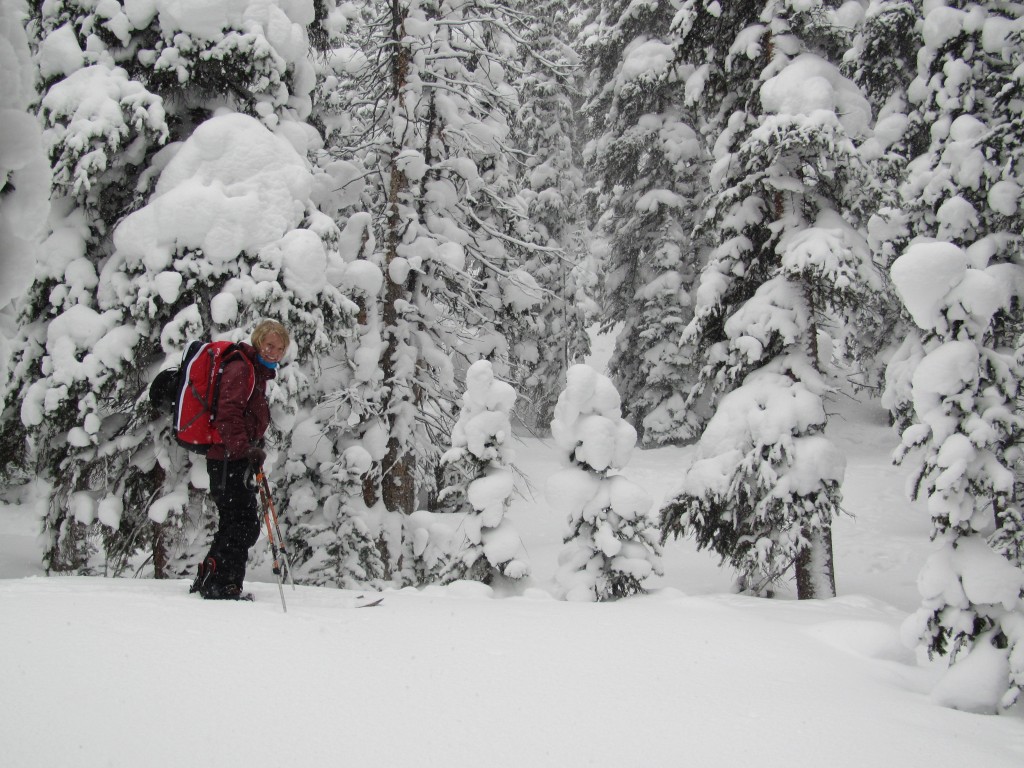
(192, 390)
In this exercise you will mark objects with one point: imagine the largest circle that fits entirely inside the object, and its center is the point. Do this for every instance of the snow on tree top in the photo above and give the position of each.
(645, 59)
(937, 284)
(483, 427)
(809, 85)
(282, 22)
(59, 53)
(973, 572)
(588, 423)
(233, 186)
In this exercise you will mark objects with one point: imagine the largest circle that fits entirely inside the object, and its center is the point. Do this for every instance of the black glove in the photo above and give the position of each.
(256, 456)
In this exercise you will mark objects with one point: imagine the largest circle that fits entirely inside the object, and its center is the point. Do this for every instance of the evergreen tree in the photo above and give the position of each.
(647, 163)
(962, 143)
(959, 203)
(545, 130)
(966, 393)
(611, 546)
(883, 58)
(94, 111)
(479, 483)
(335, 540)
(431, 130)
(882, 62)
(152, 246)
(347, 391)
(24, 201)
(790, 276)
(339, 538)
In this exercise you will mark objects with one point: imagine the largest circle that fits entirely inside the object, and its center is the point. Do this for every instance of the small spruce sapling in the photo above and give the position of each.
(339, 540)
(612, 544)
(478, 472)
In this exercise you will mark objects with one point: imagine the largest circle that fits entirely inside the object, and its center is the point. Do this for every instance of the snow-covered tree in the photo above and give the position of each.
(431, 130)
(968, 435)
(611, 545)
(339, 537)
(478, 478)
(94, 112)
(883, 62)
(162, 231)
(648, 165)
(765, 480)
(789, 278)
(335, 542)
(24, 197)
(883, 58)
(966, 185)
(545, 130)
(346, 394)
(959, 133)
(954, 384)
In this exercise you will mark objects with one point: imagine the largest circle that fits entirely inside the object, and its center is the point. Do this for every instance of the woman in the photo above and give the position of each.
(243, 416)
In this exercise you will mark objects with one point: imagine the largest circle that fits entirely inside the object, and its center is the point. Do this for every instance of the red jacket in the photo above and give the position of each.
(242, 419)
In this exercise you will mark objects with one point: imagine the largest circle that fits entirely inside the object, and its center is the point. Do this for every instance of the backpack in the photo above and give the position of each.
(189, 392)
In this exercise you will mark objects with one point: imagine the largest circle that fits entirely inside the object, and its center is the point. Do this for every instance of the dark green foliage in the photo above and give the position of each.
(648, 160)
(887, 56)
(749, 527)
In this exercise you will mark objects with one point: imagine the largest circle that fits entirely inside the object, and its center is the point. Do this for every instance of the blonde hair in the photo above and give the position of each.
(270, 328)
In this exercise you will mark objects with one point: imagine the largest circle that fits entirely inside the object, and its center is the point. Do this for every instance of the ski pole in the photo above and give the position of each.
(268, 506)
(274, 552)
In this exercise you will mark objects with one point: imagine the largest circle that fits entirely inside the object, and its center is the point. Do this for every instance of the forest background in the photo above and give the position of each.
(770, 204)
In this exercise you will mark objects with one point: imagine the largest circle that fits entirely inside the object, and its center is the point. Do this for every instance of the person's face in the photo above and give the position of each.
(272, 348)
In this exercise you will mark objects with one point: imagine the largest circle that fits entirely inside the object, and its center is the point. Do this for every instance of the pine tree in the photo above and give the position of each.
(611, 546)
(431, 130)
(790, 275)
(545, 130)
(966, 393)
(882, 62)
(94, 111)
(479, 482)
(346, 395)
(961, 142)
(122, 289)
(959, 203)
(24, 205)
(962, 187)
(883, 58)
(335, 541)
(647, 163)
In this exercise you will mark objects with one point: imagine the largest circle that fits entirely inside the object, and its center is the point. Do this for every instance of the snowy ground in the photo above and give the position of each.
(138, 673)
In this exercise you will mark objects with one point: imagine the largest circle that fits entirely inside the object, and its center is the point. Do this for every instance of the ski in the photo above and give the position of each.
(248, 597)
(376, 602)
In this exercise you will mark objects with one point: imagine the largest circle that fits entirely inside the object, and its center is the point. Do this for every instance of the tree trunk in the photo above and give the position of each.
(398, 484)
(815, 567)
(160, 558)
(371, 492)
(398, 489)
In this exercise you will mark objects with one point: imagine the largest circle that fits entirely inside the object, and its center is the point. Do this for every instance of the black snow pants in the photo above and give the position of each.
(233, 491)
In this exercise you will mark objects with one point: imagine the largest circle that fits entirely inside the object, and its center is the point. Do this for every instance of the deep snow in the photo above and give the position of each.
(127, 672)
